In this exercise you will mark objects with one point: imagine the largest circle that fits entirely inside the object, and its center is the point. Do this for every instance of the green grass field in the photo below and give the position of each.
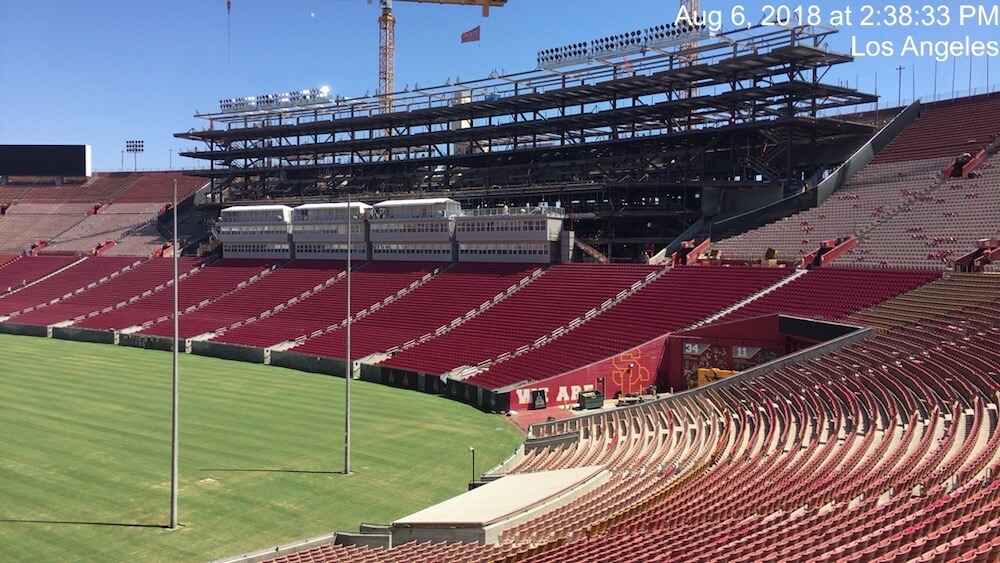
(85, 453)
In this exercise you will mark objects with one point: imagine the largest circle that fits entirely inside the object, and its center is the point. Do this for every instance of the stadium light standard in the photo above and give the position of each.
(472, 450)
(173, 410)
(135, 147)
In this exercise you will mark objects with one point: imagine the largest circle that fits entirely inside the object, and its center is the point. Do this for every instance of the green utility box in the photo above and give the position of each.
(591, 399)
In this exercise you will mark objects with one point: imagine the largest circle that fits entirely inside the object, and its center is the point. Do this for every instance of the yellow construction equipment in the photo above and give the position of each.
(711, 375)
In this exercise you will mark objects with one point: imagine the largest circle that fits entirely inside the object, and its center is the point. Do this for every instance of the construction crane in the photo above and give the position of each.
(693, 8)
(387, 41)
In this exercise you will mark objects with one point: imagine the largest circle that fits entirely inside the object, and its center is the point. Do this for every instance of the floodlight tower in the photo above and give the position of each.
(135, 147)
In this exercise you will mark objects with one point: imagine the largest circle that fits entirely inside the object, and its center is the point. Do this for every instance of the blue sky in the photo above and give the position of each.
(100, 72)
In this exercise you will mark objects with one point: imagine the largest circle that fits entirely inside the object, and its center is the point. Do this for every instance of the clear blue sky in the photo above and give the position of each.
(100, 72)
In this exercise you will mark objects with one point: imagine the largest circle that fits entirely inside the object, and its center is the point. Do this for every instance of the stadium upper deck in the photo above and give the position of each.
(649, 134)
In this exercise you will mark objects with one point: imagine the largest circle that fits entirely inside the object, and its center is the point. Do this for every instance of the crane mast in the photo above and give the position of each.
(386, 55)
(693, 8)
(387, 42)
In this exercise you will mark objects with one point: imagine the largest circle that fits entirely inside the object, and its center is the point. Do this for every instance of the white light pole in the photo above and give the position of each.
(350, 370)
(899, 86)
(970, 75)
(934, 99)
(954, 73)
(174, 420)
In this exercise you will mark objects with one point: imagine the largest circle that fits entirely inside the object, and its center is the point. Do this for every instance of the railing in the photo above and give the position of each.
(811, 198)
(578, 321)
(372, 308)
(280, 306)
(151, 169)
(662, 256)
(456, 322)
(888, 104)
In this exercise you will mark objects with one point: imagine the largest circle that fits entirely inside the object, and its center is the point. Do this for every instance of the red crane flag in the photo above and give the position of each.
(471, 35)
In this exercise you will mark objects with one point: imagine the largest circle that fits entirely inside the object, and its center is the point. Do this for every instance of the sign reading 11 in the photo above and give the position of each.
(744, 352)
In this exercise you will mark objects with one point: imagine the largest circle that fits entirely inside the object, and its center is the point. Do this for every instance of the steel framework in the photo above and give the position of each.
(630, 154)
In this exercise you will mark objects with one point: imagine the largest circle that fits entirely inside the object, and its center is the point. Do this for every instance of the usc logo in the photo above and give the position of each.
(629, 374)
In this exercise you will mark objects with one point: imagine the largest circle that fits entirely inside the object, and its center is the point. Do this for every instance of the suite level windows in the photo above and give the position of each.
(503, 249)
(247, 248)
(307, 248)
(396, 228)
(383, 213)
(515, 225)
(418, 249)
(329, 229)
(254, 230)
